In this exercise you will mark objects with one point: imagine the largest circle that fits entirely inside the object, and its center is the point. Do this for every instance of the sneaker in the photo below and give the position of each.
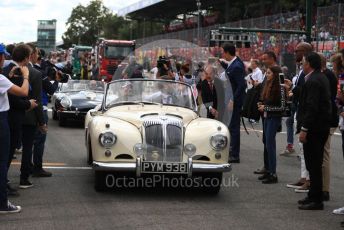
(271, 179)
(339, 211)
(261, 171)
(264, 176)
(304, 188)
(10, 209)
(297, 184)
(25, 184)
(41, 173)
(288, 150)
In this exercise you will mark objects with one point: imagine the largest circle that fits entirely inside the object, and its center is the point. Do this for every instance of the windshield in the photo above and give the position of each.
(149, 91)
(118, 51)
(82, 85)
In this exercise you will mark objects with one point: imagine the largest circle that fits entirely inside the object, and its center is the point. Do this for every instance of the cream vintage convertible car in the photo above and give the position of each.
(147, 127)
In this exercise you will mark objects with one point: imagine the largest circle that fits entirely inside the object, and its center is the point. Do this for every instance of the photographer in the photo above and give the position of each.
(50, 74)
(164, 69)
(18, 104)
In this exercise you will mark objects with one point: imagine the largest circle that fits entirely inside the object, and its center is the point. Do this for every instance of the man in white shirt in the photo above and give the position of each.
(257, 74)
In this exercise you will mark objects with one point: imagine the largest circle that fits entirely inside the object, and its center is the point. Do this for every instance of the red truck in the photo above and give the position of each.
(110, 54)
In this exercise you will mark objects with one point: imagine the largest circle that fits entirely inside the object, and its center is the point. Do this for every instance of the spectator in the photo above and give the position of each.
(18, 105)
(33, 119)
(235, 71)
(302, 49)
(209, 93)
(338, 69)
(271, 107)
(333, 126)
(48, 88)
(269, 60)
(7, 86)
(95, 70)
(257, 74)
(313, 119)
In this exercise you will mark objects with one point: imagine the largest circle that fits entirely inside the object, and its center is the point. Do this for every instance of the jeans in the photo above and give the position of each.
(234, 129)
(4, 152)
(29, 132)
(38, 145)
(271, 125)
(266, 163)
(290, 126)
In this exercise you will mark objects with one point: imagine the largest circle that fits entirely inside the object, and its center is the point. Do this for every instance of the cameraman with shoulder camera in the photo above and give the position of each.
(164, 69)
(49, 74)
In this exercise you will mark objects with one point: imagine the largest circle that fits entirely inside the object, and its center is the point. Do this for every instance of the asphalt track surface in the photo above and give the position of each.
(68, 199)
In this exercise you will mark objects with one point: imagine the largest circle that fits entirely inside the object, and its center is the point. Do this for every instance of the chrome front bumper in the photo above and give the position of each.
(135, 167)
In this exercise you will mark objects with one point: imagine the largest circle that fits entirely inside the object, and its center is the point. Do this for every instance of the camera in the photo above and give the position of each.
(161, 62)
(52, 71)
(17, 72)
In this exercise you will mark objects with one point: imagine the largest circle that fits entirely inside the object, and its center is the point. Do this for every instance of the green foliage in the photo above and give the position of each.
(87, 23)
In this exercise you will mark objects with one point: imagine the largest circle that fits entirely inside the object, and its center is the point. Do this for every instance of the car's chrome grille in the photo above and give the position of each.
(163, 136)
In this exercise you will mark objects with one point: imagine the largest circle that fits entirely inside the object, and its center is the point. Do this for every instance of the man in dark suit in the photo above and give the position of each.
(208, 92)
(235, 72)
(18, 105)
(33, 119)
(313, 119)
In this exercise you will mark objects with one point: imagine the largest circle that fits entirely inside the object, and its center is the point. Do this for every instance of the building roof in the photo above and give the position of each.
(167, 9)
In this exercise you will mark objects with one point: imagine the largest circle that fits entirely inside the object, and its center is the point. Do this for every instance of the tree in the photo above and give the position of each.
(85, 23)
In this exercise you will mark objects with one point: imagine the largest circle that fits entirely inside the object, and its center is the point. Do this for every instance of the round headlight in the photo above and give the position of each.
(140, 149)
(189, 149)
(218, 142)
(107, 139)
(66, 102)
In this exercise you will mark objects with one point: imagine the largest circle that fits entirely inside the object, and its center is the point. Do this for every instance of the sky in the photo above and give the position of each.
(19, 18)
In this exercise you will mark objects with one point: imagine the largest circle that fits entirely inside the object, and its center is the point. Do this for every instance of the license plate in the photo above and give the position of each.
(164, 167)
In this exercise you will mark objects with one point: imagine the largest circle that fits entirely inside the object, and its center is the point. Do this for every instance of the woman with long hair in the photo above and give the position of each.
(272, 103)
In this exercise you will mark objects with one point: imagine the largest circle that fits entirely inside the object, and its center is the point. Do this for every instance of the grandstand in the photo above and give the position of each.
(179, 19)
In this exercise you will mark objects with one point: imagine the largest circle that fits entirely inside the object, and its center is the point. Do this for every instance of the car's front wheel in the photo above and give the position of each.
(99, 181)
(211, 182)
(62, 121)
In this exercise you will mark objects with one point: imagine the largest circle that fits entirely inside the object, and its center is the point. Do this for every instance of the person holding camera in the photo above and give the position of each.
(50, 74)
(33, 119)
(164, 69)
(18, 104)
(7, 86)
